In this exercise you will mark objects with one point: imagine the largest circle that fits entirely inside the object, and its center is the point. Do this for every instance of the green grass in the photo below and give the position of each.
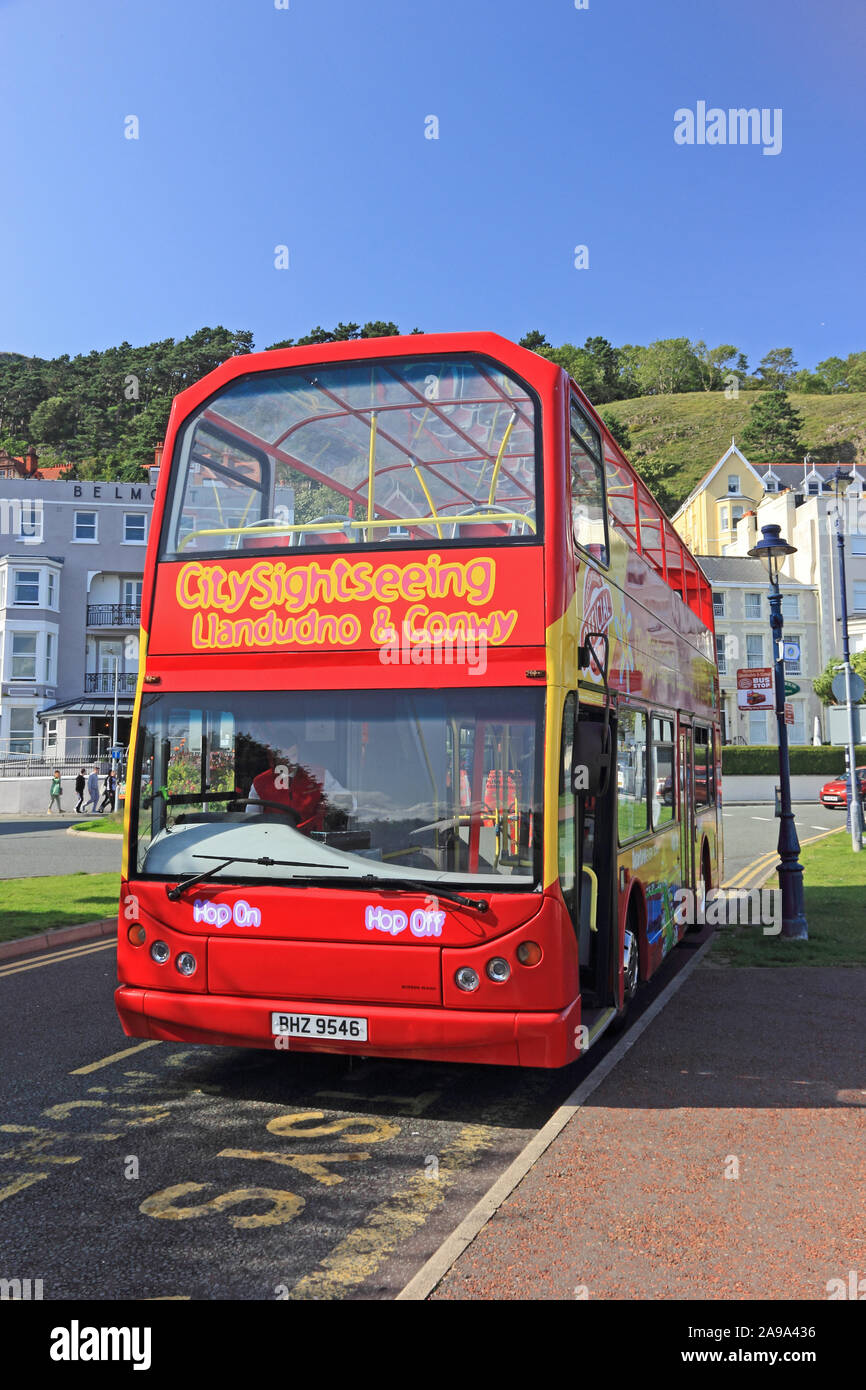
(105, 825)
(835, 892)
(32, 905)
(694, 429)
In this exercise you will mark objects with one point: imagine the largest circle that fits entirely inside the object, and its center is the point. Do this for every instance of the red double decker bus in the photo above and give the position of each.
(426, 737)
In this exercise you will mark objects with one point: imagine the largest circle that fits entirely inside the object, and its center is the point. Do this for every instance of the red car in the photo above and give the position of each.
(835, 793)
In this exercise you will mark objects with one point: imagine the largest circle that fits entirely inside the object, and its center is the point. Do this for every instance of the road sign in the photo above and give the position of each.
(791, 651)
(792, 688)
(839, 691)
(755, 688)
(789, 714)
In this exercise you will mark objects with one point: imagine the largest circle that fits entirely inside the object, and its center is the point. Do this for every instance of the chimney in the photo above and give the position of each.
(31, 462)
(157, 454)
(749, 523)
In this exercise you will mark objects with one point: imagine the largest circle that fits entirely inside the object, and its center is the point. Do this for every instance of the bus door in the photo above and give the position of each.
(593, 911)
(687, 807)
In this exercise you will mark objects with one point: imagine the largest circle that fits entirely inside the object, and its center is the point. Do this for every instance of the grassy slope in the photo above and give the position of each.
(695, 429)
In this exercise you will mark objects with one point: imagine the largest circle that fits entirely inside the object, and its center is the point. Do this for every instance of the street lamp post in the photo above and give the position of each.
(840, 477)
(116, 660)
(772, 548)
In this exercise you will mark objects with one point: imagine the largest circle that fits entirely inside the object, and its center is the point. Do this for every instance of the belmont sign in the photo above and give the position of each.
(114, 492)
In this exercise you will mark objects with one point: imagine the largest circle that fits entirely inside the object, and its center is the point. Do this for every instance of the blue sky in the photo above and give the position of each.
(305, 127)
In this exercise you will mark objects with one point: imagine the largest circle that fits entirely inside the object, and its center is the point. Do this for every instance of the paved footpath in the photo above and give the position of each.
(723, 1158)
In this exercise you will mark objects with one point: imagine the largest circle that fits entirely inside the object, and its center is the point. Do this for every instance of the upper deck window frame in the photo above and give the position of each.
(176, 503)
(584, 438)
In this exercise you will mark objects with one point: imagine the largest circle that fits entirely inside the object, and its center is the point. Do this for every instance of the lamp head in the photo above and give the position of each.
(773, 548)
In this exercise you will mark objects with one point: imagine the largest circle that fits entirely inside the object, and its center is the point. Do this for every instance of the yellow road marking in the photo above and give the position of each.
(371, 1131)
(762, 863)
(18, 1184)
(311, 1164)
(401, 1215)
(115, 1057)
(415, 1105)
(284, 1205)
(58, 957)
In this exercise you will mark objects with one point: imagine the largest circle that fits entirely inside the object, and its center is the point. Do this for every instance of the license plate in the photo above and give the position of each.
(831, 798)
(319, 1026)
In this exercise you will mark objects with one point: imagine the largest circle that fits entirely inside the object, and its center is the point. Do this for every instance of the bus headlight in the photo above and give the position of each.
(498, 970)
(160, 952)
(466, 978)
(186, 963)
(136, 935)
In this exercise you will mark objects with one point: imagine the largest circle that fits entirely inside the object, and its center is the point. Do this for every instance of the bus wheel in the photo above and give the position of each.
(705, 883)
(631, 970)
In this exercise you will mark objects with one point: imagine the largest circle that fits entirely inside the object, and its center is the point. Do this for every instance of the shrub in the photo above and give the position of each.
(758, 760)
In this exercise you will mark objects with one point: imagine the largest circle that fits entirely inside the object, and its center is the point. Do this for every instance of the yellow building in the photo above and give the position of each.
(707, 520)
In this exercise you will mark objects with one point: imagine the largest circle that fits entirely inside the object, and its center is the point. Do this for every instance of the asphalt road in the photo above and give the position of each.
(139, 1171)
(38, 847)
(132, 1170)
(754, 830)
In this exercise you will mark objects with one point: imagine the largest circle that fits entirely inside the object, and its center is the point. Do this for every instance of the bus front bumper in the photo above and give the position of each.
(507, 1038)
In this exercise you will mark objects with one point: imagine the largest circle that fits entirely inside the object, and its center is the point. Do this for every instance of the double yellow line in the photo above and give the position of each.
(88, 948)
(754, 874)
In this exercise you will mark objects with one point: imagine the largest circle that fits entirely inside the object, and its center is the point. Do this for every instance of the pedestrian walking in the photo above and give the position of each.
(56, 789)
(108, 789)
(93, 789)
(80, 789)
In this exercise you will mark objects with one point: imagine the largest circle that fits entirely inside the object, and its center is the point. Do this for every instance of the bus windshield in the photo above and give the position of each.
(392, 451)
(442, 785)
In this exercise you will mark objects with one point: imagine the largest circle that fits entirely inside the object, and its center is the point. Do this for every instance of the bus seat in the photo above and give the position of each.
(336, 537)
(469, 529)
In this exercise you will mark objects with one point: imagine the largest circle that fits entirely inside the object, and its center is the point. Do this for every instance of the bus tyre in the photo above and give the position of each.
(705, 883)
(630, 970)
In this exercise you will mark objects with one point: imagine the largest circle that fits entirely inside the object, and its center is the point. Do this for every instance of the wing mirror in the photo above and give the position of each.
(592, 758)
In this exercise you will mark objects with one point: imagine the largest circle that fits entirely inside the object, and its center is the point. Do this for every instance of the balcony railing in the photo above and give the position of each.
(102, 683)
(113, 615)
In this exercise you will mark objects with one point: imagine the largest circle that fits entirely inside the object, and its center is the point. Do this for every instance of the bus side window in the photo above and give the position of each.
(588, 502)
(663, 789)
(631, 774)
(704, 778)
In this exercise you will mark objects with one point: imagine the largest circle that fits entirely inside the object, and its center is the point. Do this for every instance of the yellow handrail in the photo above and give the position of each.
(420, 476)
(293, 529)
(372, 468)
(498, 464)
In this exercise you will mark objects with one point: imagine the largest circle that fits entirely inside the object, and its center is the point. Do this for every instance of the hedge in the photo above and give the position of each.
(763, 759)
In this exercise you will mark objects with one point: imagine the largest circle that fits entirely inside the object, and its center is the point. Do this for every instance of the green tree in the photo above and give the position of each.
(661, 474)
(618, 428)
(606, 359)
(535, 341)
(777, 367)
(833, 371)
(855, 371)
(668, 365)
(579, 365)
(714, 364)
(823, 683)
(772, 434)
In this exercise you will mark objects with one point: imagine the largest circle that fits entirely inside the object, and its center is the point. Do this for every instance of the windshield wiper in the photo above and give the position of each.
(417, 885)
(223, 863)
